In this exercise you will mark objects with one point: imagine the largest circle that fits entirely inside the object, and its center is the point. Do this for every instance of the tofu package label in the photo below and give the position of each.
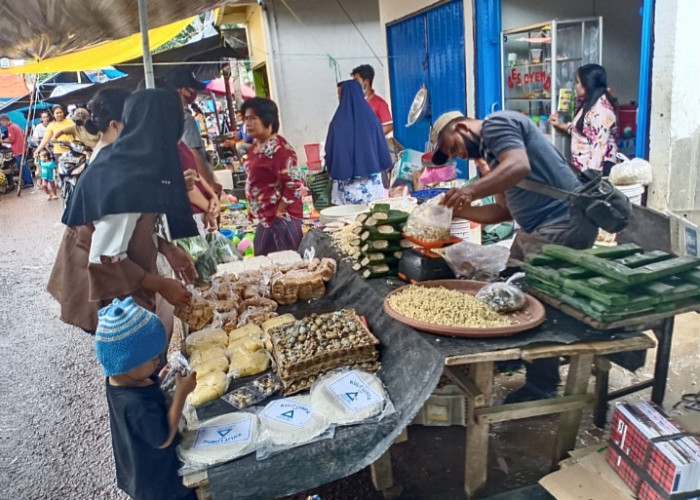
(288, 412)
(354, 393)
(217, 435)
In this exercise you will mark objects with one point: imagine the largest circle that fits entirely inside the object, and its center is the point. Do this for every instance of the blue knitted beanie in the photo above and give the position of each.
(127, 336)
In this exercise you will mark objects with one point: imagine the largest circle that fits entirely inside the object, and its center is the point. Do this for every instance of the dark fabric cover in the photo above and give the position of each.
(355, 145)
(412, 363)
(140, 172)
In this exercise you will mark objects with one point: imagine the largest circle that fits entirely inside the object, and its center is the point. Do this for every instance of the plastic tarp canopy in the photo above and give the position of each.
(207, 50)
(104, 54)
(39, 30)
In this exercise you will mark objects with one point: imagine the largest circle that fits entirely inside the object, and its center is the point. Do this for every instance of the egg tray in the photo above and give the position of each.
(313, 354)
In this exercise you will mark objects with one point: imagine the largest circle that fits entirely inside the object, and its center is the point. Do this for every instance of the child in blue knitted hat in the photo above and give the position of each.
(128, 342)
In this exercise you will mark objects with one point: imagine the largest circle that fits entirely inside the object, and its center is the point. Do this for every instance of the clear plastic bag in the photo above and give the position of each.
(287, 423)
(473, 261)
(503, 297)
(350, 396)
(178, 364)
(634, 171)
(430, 221)
(218, 440)
(224, 250)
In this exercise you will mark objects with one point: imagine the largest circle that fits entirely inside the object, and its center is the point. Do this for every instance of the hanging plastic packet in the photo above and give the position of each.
(290, 422)
(223, 248)
(178, 364)
(350, 397)
(503, 297)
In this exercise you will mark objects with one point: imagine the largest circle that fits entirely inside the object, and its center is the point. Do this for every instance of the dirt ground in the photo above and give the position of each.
(54, 428)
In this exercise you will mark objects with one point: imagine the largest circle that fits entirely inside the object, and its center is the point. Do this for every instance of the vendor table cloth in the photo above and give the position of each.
(412, 363)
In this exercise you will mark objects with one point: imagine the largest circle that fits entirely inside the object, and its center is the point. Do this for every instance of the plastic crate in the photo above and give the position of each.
(445, 407)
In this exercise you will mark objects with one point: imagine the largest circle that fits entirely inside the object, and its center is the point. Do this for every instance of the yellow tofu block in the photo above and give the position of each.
(249, 330)
(206, 338)
(244, 345)
(213, 364)
(210, 386)
(252, 363)
(205, 353)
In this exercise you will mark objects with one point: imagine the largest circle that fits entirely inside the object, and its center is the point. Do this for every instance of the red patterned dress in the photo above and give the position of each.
(274, 179)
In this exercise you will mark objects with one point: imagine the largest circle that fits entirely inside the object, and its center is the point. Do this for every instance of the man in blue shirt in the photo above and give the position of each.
(243, 140)
(515, 149)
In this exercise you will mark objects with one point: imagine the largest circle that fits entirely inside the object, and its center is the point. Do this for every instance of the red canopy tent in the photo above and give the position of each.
(12, 86)
(217, 86)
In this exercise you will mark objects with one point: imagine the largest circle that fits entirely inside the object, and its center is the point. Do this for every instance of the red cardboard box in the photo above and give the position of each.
(652, 454)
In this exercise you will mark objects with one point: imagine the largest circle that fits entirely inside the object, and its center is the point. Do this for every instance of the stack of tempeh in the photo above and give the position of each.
(379, 241)
(614, 283)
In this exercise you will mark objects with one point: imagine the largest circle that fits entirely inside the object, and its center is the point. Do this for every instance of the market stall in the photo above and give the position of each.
(412, 363)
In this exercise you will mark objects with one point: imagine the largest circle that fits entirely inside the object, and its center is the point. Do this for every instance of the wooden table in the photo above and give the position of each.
(478, 385)
(661, 325)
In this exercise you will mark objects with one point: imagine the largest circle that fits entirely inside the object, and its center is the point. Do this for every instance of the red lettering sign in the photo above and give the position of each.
(517, 78)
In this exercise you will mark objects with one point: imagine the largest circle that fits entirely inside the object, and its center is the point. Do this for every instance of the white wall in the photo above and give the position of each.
(674, 149)
(298, 54)
(621, 33)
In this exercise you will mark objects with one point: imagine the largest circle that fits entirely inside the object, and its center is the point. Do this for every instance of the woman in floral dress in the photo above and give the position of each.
(594, 127)
(274, 183)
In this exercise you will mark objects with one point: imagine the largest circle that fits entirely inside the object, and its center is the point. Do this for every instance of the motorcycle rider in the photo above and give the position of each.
(15, 137)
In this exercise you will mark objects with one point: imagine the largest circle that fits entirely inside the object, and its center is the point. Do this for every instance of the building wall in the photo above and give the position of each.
(674, 149)
(301, 46)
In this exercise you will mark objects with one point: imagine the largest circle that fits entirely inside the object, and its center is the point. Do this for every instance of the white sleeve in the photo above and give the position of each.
(112, 235)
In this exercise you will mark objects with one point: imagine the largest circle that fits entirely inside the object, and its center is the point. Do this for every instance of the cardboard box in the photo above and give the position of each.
(654, 456)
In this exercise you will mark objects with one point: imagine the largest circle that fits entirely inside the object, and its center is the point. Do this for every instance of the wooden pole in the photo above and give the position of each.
(229, 101)
(145, 45)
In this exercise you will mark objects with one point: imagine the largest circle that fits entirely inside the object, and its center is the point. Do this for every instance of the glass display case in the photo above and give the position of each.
(539, 69)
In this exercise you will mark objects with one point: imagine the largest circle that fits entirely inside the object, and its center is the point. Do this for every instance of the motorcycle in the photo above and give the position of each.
(8, 166)
(69, 167)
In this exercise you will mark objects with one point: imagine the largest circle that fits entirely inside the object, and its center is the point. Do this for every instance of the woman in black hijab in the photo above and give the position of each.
(109, 249)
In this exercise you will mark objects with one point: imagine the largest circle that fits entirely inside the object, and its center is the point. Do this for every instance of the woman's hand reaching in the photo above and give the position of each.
(174, 292)
(179, 261)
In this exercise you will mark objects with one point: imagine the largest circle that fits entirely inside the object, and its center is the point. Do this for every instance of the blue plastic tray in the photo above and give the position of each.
(426, 194)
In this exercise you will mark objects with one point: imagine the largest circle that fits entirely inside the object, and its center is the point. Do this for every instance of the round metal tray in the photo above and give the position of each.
(530, 316)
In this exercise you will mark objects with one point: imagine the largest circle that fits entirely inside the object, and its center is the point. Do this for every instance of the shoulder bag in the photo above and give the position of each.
(602, 203)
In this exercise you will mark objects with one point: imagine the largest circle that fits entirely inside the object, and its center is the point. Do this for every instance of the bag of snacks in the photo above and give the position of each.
(430, 221)
(503, 297)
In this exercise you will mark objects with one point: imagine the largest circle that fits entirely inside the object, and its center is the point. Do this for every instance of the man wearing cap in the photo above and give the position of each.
(515, 149)
(15, 138)
(187, 86)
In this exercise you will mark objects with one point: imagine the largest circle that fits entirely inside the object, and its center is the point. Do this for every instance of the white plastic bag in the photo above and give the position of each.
(288, 423)
(473, 261)
(634, 171)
